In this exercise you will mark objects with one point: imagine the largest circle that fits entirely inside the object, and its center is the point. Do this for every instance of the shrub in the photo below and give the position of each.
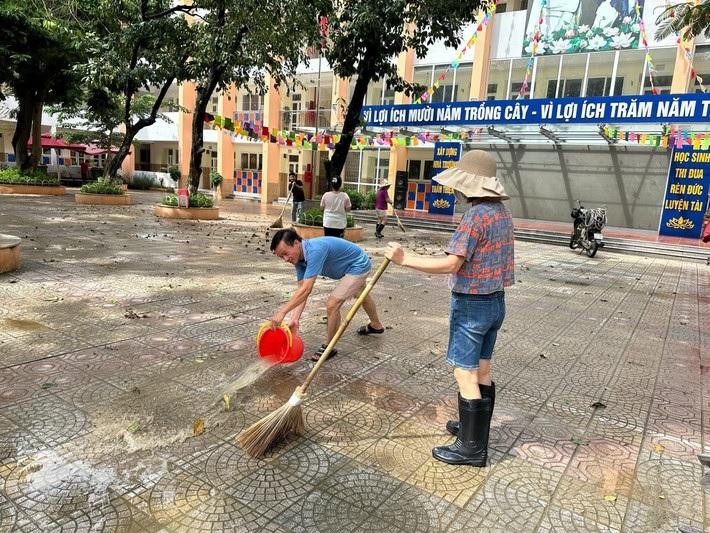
(314, 217)
(196, 200)
(101, 187)
(216, 178)
(356, 198)
(142, 183)
(13, 176)
(175, 173)
(368, 201)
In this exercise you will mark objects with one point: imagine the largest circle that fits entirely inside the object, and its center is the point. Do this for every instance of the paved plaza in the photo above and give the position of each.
(121, 330)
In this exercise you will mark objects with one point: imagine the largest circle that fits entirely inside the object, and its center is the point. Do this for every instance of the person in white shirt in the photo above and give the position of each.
(335, 205)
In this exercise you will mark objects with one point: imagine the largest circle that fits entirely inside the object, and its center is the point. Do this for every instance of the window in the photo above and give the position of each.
(661, 83)
(515, 90)
(252, 102)
(571, 88)
(491, 90)
(444, 93)
(414, 171)
(428, 166)
(215, 104)
(251, 161)
(388, 98)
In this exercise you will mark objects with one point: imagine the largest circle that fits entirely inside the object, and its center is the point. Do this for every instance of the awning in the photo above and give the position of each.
(57, 142)
(92, 149)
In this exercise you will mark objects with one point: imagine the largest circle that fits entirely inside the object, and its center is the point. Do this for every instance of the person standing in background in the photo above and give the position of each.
(335, 205)
(382, 198)
(296, 188)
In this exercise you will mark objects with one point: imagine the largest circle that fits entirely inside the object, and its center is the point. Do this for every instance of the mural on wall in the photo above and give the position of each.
(570, 26)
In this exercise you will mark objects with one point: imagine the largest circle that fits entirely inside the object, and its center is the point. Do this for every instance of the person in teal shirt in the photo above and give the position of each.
(333, 258)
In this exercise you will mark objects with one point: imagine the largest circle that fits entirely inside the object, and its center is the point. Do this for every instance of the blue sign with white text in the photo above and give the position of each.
(442, 199)
(686, 195)
(676, 108)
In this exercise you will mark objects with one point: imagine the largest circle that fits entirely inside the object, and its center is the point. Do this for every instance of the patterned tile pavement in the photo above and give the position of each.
(121, 329)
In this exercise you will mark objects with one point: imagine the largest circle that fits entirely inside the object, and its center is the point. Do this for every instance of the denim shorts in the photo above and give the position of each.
(473, 327)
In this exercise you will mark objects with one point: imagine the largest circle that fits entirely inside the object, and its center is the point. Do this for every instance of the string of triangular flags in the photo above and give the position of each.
(254, 131)
(533, 51)
(482, 23)
(644, 41)
(670, 136)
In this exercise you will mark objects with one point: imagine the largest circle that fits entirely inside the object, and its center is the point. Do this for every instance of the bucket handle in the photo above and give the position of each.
(283, 326)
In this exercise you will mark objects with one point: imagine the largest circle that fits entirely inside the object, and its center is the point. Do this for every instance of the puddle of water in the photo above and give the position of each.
(23, 325)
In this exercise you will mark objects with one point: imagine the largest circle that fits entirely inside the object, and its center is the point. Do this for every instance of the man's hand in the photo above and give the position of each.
(395, 253)
(293, 326)
(277, 319)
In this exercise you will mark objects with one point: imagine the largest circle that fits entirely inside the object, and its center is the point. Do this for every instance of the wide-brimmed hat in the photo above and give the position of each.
(384, 184)
(474, 176)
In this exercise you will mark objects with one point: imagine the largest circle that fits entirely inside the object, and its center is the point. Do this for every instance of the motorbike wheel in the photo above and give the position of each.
(573, 241)
(592, 250)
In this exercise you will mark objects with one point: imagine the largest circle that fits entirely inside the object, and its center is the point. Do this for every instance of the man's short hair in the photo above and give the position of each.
(286, 235)
(292, 173)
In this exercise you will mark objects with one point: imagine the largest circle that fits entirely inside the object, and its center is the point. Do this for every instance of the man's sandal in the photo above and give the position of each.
(316, 356)
(369, 330)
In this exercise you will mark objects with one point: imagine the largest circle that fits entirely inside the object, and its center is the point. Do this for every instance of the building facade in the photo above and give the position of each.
(583, 52)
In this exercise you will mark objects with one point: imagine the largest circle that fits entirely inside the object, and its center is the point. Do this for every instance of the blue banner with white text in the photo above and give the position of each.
(686, 197)
(676, 108)
(442, 199)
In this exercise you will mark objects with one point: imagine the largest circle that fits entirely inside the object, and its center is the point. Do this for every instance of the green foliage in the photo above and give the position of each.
(314, 217)
(686, 17)
(142, 183)
(360, 200)
(175, 173)
(12, 175)
(196, 200)
(101, 187)
(216, 178)
(311, 217)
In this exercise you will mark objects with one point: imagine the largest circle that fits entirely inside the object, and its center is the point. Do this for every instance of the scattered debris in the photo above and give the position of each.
(598, 405)
(198, 428)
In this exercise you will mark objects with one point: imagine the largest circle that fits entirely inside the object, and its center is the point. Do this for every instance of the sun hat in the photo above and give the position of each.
(474, 176)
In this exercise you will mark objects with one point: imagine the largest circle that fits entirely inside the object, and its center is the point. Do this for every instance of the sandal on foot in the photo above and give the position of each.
(316, 356)
(369, 330)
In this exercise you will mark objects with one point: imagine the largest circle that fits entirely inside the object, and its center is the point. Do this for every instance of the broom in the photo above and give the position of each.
(399, 222)
(278, 223)
(288, 418)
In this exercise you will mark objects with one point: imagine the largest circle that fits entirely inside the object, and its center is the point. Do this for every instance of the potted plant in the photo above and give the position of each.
(12, 181)
(310, 224)
(199, 207)
(102, 192)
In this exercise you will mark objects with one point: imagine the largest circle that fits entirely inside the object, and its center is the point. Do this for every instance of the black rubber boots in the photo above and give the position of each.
(471, 445)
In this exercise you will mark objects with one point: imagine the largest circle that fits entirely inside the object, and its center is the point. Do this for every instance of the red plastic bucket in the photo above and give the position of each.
(279, 344)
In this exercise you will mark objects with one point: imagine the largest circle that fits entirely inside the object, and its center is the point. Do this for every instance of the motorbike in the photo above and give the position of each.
(587, 229)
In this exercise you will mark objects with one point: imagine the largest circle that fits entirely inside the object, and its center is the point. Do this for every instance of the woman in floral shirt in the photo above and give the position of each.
(480, 265)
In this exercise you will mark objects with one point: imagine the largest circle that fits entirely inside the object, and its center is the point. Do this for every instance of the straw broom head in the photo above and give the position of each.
(278, 223)
(261, 435)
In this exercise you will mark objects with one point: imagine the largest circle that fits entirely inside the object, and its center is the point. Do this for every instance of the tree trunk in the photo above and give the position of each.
(22, 133)
(352, 118)
(36, 157)
(204, 95)
(114, 163)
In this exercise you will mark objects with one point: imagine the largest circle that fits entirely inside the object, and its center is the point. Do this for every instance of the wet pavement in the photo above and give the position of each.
(121, 330)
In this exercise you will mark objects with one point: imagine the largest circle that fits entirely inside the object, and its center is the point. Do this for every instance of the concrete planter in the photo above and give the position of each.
(353, 234)
(187, 213)
(45, 190)
(9, 253)
(102, 199)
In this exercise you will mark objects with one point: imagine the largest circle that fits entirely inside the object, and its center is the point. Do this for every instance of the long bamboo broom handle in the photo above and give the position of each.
(344, 324)
(283, 210)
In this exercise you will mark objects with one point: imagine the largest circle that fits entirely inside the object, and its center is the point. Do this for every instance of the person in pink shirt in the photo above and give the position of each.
(382, 198)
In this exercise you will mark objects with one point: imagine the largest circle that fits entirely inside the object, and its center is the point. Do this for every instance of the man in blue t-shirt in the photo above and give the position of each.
(333, 258)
